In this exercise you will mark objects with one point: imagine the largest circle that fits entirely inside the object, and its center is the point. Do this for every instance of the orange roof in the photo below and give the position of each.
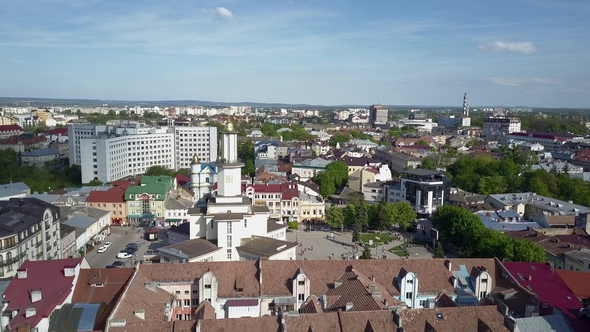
(578, 282)
(113, 195)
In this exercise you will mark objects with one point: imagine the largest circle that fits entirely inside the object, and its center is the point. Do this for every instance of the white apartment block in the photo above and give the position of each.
(111, 152)
(496, 127)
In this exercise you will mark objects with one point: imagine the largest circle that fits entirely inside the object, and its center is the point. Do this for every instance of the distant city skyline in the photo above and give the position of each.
(507, 53)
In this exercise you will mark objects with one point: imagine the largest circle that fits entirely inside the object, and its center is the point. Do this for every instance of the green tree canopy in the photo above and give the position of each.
(339, 138)
(334, 217)
(159, 171)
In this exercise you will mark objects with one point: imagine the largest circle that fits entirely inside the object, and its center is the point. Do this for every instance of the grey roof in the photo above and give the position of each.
(265, 246)
(374, 184)
(182, 228)
(39, 152)
(492, 222)
(189, 249)
(260, 209)
(80, 222)
(306, 197)
(228, 217)
(64, 230)
(549, 323)
(180, 203)
(315, 162)
(11, 189)
(272, 226)
(47, 198)
(422, 172)
(546, 203)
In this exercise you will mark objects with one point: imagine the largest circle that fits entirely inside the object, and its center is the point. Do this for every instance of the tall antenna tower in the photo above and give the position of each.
(465, 105)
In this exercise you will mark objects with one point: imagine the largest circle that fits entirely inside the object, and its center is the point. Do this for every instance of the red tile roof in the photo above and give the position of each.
(17, 139)
(288, 190)
(182, 179)
(578, 282)
(46, 276)
(113, 195)
(56, 131)
(550, 289)
(11, 127)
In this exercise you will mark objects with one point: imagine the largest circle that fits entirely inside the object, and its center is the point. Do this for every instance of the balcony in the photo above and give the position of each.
(12, 260)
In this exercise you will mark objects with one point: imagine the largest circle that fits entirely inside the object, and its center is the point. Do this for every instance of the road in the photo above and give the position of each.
(120, 237)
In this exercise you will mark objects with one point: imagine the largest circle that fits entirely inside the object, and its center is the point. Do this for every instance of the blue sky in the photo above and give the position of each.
(329, 52)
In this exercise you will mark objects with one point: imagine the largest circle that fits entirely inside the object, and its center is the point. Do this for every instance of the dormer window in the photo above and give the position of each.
(410, 281)
(208, 286)
(484, 280)
(301, 282)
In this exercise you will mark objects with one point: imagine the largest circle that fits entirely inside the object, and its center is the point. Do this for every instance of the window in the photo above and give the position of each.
(212, 224)
(229, 228)
(409, 295)
(187, 303)
(482, 294)
(410, 281)
(187, 316)
(484, 280)
(178, 316)
(229, 244)
(178, 303)
(246, 226)
(301, 297)
(422, 303)
(229, 254)
(208, 286)
(186, 292)
(301, 282)
(195, 291)
(177, 292)
(195, 303)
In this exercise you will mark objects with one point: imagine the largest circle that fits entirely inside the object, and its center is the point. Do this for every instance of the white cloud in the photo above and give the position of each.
(506, 81)
(220, 12)
(500, 47)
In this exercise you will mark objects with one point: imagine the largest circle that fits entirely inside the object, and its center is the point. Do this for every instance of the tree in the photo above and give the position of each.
(356, 199)
(268, 129)
(339, 138)
(293, 225)
(366, 253)
(349, 213)
(334, 217)
(339, 171)
(362, 217)
(249, 168)
(528, 251)
(438, 250)
(403, 214)
(159, 171)
(455, 224)
(386, 215)
(356, 234)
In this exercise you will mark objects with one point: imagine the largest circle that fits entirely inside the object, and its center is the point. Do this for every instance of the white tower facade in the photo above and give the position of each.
(229, 176)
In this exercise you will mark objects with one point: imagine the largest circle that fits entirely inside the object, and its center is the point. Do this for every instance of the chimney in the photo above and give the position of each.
(373, 278)
(448, 264)
(385, 303)
(376, 295)
(36, 296)
(349, 306)
(337, 283)
(69, 271)
(139, 313)
(530, 277)
(21, 274)
(30, 312)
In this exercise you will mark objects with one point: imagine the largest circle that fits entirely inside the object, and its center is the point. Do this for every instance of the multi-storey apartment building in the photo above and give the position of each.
(496, 127)
(30, 230)
(378, 115)
(282, 199)
(112, 152)
(425, 190)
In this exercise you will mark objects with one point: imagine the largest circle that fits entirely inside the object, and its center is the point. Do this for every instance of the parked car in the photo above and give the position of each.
(118, 263)
(134, 244)
(325, 229)
(130, 250)
(107, 244)
(110, 267)
(124, 254)
(102, 249)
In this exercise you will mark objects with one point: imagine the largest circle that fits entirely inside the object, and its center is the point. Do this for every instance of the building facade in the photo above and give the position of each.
(425, 190)
(111, 152)
(496, 127)
(31, 231)
(145, 203)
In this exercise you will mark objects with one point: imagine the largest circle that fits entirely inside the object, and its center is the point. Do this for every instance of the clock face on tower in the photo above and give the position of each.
(229, 179)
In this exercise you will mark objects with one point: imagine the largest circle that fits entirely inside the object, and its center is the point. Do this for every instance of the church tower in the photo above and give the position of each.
(229, 176)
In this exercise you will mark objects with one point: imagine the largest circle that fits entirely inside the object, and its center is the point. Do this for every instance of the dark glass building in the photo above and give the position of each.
(425, 190)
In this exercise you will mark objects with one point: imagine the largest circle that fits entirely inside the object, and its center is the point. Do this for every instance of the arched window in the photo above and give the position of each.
(9, 261)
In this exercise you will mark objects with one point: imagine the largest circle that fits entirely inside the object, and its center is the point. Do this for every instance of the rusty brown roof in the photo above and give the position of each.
(101, 285)
(479, 318)
(434, 276)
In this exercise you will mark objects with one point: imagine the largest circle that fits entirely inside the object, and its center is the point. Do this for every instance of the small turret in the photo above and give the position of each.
(229, 126)
(195, 160)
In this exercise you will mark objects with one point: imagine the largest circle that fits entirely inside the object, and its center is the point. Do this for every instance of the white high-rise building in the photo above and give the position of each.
(111, 152)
